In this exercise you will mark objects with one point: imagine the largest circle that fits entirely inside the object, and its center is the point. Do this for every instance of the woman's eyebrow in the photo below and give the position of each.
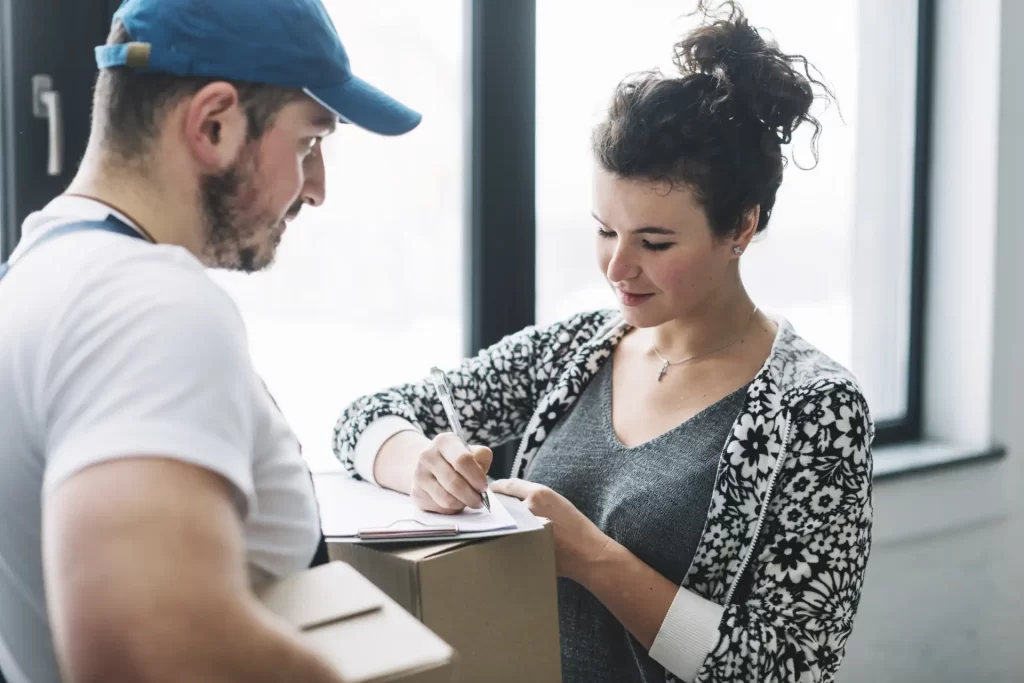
(648, 230)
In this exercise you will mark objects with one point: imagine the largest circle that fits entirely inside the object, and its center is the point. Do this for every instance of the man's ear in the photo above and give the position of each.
(216, 126)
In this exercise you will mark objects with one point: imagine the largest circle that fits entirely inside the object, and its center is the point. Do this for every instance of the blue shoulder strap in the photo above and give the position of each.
(111, 224)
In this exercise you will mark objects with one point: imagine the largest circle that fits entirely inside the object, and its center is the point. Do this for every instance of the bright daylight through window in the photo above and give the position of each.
(367, 290)
(836, 259)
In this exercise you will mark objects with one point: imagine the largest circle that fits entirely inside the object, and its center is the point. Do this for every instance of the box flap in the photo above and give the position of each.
(312, 599)
(417, 552)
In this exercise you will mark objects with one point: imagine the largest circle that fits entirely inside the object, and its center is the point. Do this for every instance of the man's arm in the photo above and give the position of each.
(146, 581)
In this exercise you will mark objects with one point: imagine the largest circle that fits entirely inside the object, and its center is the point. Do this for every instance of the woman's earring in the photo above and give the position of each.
(738, 251)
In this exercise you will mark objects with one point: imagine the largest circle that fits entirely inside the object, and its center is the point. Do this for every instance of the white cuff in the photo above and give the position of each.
(371, 440)
(688, 634)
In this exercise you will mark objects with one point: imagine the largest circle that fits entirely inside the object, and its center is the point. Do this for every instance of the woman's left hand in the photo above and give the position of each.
(578, 541)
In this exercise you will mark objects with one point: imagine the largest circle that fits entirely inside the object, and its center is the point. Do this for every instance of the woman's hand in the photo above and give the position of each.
(447, 477)
(579, 544)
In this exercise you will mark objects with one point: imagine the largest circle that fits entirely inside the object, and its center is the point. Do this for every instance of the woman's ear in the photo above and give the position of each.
(747, 230)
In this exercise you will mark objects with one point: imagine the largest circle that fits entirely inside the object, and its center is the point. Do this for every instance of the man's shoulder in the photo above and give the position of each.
(103, 286)
(146, 277)
(109, 255)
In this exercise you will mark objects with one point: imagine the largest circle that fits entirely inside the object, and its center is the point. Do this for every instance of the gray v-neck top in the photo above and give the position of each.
(652, 498)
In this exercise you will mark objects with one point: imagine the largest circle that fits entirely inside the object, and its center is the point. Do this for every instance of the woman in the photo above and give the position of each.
(706, 470)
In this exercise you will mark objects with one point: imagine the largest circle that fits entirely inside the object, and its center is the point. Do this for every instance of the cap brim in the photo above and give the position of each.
(358, 102)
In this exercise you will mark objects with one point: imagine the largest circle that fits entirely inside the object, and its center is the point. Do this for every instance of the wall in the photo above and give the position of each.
(944, 596)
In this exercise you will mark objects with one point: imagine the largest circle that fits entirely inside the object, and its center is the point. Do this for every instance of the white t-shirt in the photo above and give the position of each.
(113, 347)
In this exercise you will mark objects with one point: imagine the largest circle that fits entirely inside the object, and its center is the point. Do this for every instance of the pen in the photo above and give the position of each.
(444, 393)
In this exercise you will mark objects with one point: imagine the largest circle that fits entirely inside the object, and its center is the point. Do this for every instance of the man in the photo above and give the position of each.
(146, 479)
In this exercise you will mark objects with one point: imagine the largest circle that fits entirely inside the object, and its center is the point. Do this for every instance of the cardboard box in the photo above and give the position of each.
(494, 600)
(358, 629)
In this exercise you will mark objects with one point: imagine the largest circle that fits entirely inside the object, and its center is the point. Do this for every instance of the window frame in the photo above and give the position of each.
(501, 176)
(909, 427)
(501, 237)
(9, 231)
(53, 37)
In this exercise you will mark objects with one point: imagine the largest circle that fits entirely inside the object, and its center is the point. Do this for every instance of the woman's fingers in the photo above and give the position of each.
(443, 502)
(448, 477)
(441, 482)
(484, 457)
(517, 488)
(467, 464)
(460, 471)
(456, 486)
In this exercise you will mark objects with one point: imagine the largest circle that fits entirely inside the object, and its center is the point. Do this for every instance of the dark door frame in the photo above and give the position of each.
(54, 37)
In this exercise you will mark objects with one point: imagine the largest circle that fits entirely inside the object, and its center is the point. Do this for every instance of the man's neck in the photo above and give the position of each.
(155, 206)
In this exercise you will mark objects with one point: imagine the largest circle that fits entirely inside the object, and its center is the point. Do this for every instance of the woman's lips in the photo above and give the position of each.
(631, 299)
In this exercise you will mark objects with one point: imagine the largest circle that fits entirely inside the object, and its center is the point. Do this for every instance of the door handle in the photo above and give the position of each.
(46, 104)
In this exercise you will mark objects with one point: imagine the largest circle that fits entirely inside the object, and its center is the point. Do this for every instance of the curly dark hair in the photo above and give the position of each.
(718, 127)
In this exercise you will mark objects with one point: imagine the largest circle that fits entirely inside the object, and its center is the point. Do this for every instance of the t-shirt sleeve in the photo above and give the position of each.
(150, 360)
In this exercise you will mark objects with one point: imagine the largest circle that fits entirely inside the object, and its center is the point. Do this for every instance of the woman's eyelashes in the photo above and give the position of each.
(650, 246)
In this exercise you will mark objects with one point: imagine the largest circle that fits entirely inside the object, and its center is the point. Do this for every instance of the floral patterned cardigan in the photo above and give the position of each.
(776, 579)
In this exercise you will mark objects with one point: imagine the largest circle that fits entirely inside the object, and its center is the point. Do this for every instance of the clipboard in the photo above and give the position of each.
(396, 532)
(357, 511)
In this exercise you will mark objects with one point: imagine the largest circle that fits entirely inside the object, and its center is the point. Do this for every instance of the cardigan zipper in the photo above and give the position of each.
(521, 450)
(764, 511)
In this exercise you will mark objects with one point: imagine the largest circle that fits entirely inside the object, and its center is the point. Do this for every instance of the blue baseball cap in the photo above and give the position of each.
(287, 43)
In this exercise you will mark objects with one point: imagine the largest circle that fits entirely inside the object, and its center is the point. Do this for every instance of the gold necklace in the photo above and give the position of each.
(666, 364)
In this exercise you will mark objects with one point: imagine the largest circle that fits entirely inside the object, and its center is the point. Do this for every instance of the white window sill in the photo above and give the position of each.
(930, 489)
(900, 460)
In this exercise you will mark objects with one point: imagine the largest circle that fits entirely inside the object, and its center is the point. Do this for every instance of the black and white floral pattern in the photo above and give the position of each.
(801, 446)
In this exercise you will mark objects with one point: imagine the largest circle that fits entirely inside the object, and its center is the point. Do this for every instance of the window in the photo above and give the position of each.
(367, 290)
(837, 257)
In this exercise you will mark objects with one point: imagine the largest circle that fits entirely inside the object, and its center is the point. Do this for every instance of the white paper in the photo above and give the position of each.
(347, 505)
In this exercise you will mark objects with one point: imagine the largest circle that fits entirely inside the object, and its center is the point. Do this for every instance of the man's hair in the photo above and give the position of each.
(129, 106)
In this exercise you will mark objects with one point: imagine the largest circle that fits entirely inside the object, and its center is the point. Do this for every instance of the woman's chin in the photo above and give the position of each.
(635, 317)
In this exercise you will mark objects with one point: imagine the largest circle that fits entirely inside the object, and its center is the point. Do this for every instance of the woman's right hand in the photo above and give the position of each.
(448, 478)
(439, 474)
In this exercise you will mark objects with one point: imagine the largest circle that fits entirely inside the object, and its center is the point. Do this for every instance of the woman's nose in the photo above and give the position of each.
(622, 265)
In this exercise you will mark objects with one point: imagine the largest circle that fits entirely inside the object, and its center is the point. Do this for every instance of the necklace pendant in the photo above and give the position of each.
(664, 369)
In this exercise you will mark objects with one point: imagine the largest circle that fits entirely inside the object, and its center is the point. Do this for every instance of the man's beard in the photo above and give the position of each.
(239, 235)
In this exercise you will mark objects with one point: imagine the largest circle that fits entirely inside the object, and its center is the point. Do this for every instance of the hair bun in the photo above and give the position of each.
(748, 72)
